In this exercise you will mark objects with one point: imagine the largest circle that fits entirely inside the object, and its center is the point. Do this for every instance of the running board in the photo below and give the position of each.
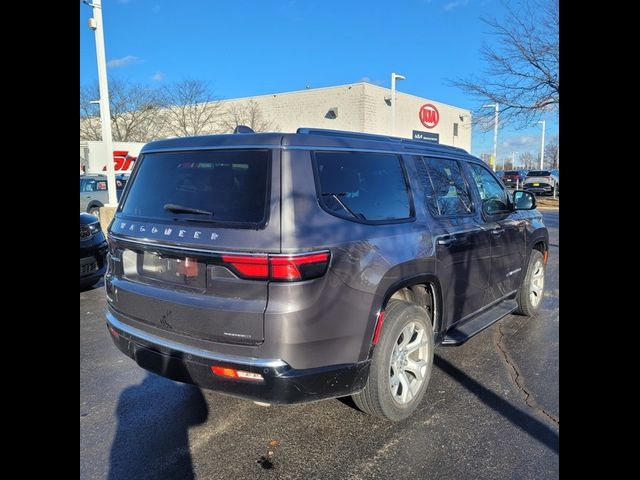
(458, 334)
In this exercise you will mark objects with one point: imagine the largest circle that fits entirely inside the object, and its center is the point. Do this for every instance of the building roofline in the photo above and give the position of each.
(343, 86)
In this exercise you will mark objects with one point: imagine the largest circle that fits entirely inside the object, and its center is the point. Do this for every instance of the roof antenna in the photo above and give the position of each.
(242, 129)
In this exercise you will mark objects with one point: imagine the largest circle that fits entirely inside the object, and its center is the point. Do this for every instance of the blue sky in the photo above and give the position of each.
(252, 47)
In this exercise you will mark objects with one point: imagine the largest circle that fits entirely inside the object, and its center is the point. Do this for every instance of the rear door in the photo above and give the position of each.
(507, 232)
(462, 245)
(182, 215)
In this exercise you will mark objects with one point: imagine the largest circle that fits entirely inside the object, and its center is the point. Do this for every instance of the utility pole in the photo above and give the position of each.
(96, 25)
(543, 122)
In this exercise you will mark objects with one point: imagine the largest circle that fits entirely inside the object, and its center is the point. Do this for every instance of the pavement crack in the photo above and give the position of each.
(528, 399)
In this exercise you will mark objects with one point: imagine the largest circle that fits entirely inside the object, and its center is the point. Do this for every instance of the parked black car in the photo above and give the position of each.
(287, 268)
(93, 250)
(513, 178)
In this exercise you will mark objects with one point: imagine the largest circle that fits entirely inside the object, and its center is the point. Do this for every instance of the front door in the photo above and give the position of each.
(507, 233)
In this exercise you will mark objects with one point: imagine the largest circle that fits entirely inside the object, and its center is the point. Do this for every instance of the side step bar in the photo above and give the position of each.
(458, 334)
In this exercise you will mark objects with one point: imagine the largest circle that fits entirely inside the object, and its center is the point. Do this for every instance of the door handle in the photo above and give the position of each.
(446, 241)
(497, 231)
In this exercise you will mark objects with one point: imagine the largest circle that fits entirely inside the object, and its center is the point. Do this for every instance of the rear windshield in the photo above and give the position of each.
(539, 173)
(219, 186)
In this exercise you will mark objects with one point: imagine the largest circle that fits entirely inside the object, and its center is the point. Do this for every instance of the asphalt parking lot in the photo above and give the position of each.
(491, 411)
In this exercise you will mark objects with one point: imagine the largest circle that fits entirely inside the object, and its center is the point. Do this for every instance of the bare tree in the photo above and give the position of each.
(90, 128)
(529, 161)
(135, 112)
(522, 72)
(552, 152)
(248, 114)
(191, 109)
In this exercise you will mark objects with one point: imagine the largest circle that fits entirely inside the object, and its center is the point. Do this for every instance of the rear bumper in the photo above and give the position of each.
(540, 189)
(281, 384)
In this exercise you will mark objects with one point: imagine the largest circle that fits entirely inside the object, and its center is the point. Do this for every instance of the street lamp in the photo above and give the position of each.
(513, 160)
(495, 132)
(394, 77)
(96, 25)
(542, 145)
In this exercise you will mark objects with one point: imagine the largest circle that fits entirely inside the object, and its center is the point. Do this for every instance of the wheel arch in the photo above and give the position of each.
(94, 203)
(386, 293)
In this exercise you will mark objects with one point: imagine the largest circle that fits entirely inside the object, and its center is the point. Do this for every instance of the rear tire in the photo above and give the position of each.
(401, 363)
(529, 296)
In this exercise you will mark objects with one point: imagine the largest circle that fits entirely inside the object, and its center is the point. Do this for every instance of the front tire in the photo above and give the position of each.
(401, 363)
(529, 296)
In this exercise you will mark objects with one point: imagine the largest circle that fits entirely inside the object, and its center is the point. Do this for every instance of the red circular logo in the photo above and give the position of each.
(429, 115)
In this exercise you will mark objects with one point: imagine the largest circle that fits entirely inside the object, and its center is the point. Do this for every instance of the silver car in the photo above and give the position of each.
(94, 194)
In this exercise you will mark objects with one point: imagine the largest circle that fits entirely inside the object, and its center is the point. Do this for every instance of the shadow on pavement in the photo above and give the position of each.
(152, 439)
(529, 424)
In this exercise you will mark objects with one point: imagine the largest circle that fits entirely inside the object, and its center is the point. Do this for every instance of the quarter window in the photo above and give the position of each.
(494, 198)
(366, 187)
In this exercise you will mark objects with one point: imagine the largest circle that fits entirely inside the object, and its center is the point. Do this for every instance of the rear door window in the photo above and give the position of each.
(365, 187)
(222, 186)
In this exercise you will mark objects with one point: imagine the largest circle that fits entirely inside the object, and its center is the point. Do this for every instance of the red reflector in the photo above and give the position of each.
(225, 372)
(233, 373)
(256, 267)
(546, 256)
(286, 268)
(114, 332)
(376, 334)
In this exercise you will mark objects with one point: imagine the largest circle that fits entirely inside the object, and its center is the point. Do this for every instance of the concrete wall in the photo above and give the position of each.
(361, 107)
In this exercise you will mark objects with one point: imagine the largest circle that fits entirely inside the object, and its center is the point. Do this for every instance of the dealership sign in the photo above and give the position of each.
(429, 115)
(426, 136)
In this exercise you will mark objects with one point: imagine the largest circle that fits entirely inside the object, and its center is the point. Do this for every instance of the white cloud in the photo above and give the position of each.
(122, 62)
(521, 143)
(451, 6)
(365, 79)
(158, 77)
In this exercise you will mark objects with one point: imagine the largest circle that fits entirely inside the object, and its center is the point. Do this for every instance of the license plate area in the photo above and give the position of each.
(179, 270)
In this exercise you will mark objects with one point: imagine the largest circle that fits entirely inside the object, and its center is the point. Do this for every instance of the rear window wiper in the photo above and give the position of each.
(336, 196)
(172, 207)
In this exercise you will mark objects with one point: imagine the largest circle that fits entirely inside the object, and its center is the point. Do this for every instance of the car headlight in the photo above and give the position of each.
(94, 228)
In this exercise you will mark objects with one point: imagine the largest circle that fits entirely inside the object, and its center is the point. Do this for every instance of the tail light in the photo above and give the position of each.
(278, 268)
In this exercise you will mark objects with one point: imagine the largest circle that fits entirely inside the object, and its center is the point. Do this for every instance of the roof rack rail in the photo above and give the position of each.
(344, 133)
(405, 142)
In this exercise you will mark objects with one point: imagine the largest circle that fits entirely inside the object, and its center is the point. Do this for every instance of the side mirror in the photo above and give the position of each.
(523, 200)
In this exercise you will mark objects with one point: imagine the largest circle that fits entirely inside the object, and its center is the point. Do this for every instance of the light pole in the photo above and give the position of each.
(513, 160)
(542, 145)
(495, 131)
(394, 77)
(96, 25)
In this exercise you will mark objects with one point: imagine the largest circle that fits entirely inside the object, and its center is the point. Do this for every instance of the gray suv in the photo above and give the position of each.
(286, 268)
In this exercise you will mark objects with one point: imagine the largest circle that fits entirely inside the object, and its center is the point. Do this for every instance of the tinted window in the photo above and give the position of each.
(539, 173)
(494, 198)
(363, 186)
(446, 192)
(230, 185)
